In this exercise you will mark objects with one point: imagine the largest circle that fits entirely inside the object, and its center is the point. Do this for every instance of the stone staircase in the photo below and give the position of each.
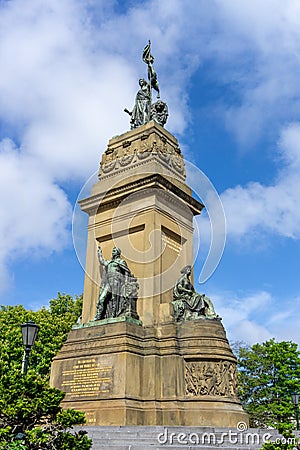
(178, 438)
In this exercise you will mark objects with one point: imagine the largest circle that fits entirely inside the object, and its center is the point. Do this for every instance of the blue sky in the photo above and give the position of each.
(229, 71)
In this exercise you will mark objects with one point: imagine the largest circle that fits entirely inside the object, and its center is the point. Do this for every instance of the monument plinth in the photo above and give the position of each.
(149, 349)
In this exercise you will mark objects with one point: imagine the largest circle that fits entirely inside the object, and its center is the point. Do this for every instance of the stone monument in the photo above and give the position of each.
(149, 350)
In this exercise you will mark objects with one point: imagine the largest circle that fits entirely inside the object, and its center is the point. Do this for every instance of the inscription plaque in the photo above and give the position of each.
(87, 379)
(90, 417)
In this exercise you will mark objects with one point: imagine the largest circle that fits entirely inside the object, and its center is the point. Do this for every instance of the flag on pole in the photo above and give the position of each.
(147, 53)
(149, 59)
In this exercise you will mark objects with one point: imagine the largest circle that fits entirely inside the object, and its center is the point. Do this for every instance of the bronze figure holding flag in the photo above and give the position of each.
(144, 110)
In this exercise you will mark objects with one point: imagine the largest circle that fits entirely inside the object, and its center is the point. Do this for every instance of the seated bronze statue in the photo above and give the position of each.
(187, 303)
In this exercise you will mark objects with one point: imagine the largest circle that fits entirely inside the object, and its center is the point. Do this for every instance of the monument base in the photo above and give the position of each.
(122, 373)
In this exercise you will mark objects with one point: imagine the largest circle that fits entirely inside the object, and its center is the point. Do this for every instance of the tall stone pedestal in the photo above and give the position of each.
(125, 374)
(151, 371)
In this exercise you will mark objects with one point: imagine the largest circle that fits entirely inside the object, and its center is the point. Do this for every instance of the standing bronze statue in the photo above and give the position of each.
(118, 289)
(187, 303)
(144, 110)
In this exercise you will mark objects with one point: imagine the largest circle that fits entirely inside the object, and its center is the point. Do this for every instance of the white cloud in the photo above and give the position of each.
(258, 317)
(257, 211)
(270, 208)
(266, 37)
(35, 212)
(59, 92)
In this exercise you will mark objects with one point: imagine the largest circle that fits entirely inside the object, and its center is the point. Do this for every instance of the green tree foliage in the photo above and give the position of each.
(30, 413)
(268, 374)
(288, 441)
(55, 323)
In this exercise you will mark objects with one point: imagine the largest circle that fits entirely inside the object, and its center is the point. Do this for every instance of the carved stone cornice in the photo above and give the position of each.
(113, 197)
(134, 148)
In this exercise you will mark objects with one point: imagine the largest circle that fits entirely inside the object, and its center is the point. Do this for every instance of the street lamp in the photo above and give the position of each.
(295, 398)
(29, 334)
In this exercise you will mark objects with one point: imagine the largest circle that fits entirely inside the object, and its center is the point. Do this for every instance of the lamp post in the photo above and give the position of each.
(29, 334)
(295, 398)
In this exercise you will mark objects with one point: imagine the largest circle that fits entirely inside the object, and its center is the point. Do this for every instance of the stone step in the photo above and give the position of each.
(177, 438)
